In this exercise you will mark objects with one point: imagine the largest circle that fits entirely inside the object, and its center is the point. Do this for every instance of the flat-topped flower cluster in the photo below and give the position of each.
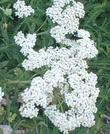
(22, 10)
(67, 70)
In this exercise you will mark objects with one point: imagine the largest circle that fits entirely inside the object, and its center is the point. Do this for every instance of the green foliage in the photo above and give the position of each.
(14, 79)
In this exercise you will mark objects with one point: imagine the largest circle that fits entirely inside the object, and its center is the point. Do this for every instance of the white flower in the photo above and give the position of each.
(81, 99)
(55, 13)
(1, 94)
(83, 33)
(62, 3)
(29, 110)
(64, 121)
(86, 48)
(27, 43)
(79, 9)
(22, 10)
(67, 18)
(58, 33)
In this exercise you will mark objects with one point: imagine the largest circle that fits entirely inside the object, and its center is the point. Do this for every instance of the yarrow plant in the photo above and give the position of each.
(22, 10)
(67, 70)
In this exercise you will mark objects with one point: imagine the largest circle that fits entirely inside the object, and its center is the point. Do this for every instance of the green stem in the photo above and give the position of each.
(42, 33)
(18, 82)
(42, 25)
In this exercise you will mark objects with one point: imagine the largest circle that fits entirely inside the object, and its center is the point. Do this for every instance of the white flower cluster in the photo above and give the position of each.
(22, 10)
(67, 70)
(66, 16)
(1, 94)
(80, 101)
(82, 106)
(26, 43)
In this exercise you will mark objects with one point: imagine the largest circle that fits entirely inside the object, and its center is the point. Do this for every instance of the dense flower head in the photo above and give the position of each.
(66, 13)
(66, 70)
(22, 10)
(27, 43)
(1, 94)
